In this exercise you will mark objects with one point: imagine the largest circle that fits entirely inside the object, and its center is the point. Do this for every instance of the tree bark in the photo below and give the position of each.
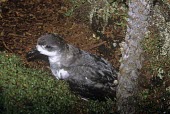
(131, 61)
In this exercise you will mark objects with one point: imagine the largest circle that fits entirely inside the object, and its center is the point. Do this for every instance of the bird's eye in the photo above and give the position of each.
(48, 47)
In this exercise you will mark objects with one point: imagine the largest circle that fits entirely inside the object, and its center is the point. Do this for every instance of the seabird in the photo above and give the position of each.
(88, 75)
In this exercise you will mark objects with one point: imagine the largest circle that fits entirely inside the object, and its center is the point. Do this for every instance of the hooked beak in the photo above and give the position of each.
(32, 55)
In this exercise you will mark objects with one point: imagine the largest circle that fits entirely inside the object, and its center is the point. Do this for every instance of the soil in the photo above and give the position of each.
(22, 22)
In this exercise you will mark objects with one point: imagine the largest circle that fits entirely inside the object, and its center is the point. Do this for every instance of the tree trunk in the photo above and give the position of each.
(131, 61)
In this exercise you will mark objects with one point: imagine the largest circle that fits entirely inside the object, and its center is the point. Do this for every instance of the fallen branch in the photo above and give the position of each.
(94, 46)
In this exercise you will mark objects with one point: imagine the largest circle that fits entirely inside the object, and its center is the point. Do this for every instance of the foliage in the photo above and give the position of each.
(32, 91)
(75, 4)
(106, 10)
(166, 2)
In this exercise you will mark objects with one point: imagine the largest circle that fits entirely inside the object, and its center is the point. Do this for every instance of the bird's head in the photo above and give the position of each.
(49, 45)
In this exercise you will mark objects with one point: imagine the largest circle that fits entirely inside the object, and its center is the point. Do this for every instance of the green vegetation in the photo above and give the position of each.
(75, 4)
(32, 91)
(26, 90)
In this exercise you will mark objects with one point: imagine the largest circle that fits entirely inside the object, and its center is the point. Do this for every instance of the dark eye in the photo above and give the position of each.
(48, 47)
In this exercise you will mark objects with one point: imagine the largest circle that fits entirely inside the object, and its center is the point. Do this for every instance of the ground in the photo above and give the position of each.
(23, 22)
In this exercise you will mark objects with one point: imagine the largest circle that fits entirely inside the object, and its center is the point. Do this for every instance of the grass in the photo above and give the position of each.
(32, 91)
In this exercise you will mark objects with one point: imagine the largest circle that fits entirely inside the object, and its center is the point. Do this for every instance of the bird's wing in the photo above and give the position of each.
(91, 83)
(97, 75)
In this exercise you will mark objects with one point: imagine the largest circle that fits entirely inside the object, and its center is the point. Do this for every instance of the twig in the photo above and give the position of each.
(6, 47)
(11, 34)
(94, 46)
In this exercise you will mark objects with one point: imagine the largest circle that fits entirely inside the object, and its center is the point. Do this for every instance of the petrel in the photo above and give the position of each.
(88, 75)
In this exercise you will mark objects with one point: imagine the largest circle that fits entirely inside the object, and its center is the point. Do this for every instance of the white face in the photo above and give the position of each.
(44, 51)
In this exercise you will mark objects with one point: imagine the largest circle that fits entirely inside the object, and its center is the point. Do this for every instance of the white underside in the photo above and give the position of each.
(60, 74)
(54, 58)
(63, 74)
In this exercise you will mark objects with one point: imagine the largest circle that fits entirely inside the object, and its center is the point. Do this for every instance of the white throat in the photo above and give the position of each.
(55, 63)
(54, 59)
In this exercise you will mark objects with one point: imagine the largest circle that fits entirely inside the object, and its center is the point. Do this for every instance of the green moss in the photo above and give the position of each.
(32, 91)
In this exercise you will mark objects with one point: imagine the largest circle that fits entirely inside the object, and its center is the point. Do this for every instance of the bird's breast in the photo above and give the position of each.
(60, 73)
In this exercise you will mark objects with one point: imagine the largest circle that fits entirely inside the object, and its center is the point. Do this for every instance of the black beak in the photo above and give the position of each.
(32, 55)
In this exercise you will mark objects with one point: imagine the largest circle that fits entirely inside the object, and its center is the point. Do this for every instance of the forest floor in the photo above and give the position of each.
(23, 22)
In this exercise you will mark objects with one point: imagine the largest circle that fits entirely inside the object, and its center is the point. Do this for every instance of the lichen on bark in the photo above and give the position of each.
(161, 20)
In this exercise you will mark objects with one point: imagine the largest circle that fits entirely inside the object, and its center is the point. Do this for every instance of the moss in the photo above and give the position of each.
(32, 91)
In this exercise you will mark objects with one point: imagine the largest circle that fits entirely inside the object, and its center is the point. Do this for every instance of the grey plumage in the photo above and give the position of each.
(88, 75)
